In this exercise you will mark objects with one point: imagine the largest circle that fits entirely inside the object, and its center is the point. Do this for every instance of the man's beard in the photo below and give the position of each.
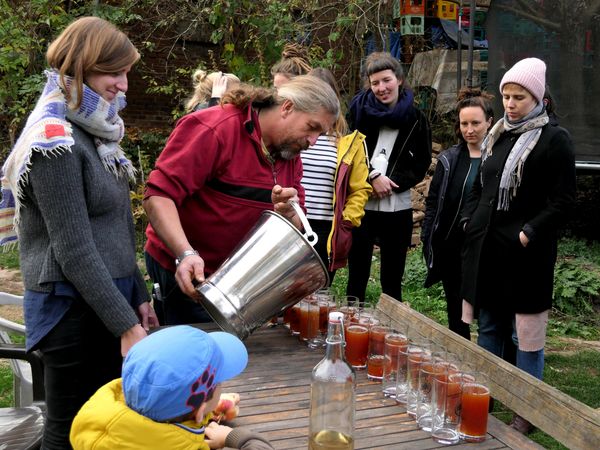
(285, 152)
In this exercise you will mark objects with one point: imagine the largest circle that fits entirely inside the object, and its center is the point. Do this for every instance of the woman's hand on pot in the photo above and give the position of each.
(147, 316)
(383, 186)
(190, 271)
(135, 334)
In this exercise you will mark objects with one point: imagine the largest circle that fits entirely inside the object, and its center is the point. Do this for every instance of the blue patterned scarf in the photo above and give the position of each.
(48, 130)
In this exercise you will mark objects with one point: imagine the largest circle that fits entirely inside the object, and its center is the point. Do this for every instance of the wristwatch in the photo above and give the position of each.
(184, 255)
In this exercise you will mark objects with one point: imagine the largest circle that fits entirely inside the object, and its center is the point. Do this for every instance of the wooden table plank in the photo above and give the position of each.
(572, 423)
(275, 401)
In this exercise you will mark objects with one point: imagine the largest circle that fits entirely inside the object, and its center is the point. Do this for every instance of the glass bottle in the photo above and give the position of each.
(332, 394)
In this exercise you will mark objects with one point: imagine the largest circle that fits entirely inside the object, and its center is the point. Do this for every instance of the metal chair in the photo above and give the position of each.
(21, 427)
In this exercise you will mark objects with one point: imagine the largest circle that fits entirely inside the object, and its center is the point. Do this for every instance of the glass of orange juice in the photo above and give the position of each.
(376, 359)
(475, 401)
(357, 345)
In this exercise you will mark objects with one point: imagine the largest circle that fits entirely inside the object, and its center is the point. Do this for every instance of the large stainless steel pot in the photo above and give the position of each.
(272, 268)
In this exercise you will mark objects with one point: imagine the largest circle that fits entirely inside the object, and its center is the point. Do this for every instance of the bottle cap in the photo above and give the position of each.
(336, 316)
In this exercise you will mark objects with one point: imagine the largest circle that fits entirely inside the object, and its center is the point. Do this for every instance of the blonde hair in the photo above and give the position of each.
(203, 83)
(293, 62)
(89, 45)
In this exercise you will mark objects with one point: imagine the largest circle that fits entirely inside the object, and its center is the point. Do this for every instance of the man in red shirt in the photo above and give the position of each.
(221, 168)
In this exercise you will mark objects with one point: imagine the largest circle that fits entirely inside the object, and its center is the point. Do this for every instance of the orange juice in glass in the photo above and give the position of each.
(294, 318)
(357, 345)
(324, 307)
(304, 307)
(376, 357)
(475, 401)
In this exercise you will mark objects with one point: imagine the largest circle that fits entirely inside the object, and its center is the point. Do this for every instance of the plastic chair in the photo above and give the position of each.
(21, 427)
(22, 379)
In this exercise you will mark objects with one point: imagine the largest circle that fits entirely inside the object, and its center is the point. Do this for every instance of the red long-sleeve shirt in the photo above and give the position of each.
(215, 171)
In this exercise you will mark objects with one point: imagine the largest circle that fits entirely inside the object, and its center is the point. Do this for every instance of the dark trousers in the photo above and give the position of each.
(322, 228)
(176, 308)
(392, 231)
(451, 284)
(80, 355)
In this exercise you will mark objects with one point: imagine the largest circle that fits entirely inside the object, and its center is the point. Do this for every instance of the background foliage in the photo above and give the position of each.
(242, 36)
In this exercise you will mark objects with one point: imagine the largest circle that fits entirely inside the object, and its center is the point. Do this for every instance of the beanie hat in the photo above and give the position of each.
(529, 73)
(172, 371)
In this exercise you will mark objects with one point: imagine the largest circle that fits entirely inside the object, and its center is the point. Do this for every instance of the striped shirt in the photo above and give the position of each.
(319, 163)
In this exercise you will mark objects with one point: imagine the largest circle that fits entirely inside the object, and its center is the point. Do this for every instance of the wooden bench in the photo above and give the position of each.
(569, 421)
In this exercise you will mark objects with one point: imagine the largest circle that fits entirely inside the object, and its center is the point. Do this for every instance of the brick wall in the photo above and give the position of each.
(146, 110)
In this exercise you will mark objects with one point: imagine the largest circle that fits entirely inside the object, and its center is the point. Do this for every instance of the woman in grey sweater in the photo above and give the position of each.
(67, 182)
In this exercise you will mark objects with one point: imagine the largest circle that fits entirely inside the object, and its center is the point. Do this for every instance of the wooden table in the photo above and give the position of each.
(275, 391)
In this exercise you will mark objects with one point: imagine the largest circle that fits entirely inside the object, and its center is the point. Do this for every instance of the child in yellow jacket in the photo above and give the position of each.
(169, 387)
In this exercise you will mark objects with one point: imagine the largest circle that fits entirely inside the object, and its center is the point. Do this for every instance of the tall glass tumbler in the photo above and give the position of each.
(357, 345)
(430, 368)
(475, 400)
(417, 352)
(376, 359)
(402, 375)
(445, 407)
(393, 344)
(316, 339)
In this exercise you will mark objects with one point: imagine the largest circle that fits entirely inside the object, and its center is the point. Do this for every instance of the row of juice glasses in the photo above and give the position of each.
(446, 397)
(307, 319)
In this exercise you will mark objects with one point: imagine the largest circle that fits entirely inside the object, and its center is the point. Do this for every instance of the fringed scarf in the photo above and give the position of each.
(530, 129)
(48, 130)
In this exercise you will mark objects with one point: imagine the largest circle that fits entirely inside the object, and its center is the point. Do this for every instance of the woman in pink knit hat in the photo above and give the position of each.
(523, 194)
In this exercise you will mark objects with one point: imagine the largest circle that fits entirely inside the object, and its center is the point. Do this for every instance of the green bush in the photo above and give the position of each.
(577, 277)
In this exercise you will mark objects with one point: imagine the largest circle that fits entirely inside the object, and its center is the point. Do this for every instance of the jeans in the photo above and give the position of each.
(392, 231)
(80, 355)
(176, 308)
(498, 335)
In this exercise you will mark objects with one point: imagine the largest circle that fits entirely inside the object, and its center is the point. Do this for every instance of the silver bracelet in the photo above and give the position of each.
(184, 255)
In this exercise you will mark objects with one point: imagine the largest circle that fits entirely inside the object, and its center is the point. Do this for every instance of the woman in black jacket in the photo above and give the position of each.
(455, 172)
(526, 189)
(399, 147)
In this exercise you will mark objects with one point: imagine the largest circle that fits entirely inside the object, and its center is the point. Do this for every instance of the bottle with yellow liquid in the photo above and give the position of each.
(332, 394)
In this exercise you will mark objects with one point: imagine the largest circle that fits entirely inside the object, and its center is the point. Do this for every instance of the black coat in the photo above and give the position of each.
(411, 155)
(498, 272)
(441, 233)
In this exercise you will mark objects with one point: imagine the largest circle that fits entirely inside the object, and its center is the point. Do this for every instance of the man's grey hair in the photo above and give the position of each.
(310, 94)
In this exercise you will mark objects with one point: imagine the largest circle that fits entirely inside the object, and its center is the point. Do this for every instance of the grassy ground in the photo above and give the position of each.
(572, 362)
(572, 351)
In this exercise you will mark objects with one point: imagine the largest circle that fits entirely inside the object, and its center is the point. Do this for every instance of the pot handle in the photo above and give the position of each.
(309, 234)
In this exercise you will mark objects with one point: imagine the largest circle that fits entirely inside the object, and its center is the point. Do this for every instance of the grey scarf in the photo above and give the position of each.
(530, 129)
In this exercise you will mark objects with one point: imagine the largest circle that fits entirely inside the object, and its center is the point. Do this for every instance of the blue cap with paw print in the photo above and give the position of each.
(172, 371)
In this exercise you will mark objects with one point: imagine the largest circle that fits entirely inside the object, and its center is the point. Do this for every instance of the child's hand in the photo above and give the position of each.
(228, 408)
(216, 434)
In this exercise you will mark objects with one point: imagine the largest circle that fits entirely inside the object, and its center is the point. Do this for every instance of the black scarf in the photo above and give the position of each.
(366, 111)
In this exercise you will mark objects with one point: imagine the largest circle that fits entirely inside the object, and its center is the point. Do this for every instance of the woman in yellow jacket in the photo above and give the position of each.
(335, 180)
